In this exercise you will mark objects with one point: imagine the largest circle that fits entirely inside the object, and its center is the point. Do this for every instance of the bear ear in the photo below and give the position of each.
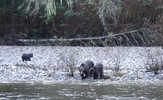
(82, 64)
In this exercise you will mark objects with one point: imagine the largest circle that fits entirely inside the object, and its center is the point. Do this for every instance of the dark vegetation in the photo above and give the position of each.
(80, 21)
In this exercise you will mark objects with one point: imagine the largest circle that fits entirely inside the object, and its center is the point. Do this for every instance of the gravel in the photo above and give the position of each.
(50, 63)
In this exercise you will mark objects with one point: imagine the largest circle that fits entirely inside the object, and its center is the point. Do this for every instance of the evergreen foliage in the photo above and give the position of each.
(79, 18)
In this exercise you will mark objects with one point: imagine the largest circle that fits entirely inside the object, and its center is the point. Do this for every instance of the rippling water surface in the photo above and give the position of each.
(86, 91)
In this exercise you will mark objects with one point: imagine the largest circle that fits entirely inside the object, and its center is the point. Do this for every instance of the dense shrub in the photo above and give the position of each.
(84, 19)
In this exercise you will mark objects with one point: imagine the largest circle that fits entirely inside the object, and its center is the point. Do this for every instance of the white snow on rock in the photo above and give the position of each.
(49, 62)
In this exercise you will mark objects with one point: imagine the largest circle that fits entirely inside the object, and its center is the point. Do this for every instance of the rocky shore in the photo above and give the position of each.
(50, 63)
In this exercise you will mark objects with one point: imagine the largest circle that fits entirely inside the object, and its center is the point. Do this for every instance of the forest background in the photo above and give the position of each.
(58, 19)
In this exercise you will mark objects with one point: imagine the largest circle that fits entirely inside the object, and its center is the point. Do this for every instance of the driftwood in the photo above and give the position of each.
(140, 37)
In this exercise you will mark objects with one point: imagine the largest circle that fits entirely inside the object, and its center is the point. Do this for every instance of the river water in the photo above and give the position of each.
(82, 91)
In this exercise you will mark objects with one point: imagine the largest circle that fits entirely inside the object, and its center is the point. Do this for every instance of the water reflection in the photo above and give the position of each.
(57, 91)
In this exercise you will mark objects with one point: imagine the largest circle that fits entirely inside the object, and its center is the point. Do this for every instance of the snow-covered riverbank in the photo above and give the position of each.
(50, 62)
